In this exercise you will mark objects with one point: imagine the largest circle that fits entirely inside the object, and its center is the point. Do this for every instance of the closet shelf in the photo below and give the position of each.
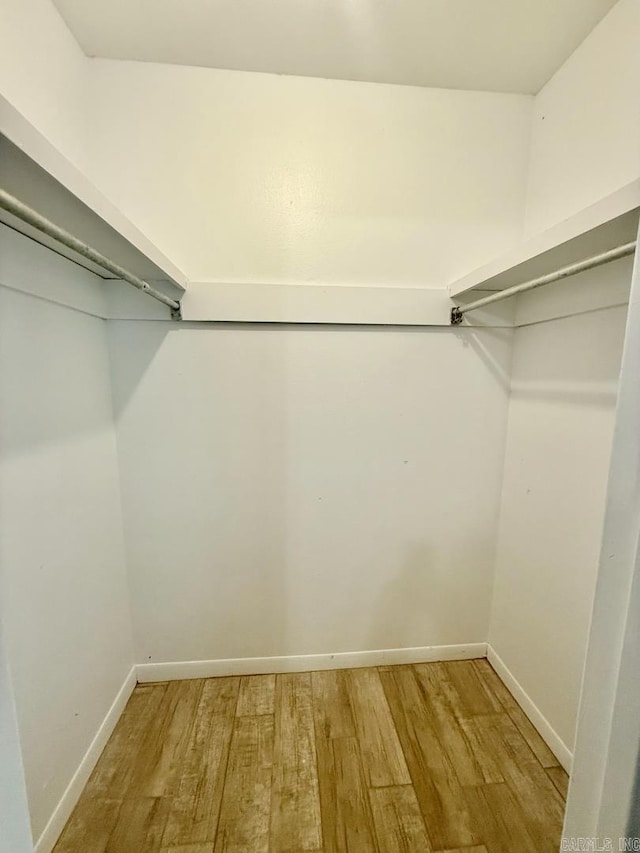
(610, 222)
(33, 170)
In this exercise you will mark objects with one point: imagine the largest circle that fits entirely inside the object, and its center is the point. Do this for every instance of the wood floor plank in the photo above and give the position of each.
(538, 804)
(188, 848)
(112, 774)
(487, 760)
(470, 694)
(518, 764)
(495, 684)
(383, 759)
(140, 826)
(89, 827)
(524, 724)
(496, 814)
(533, 739)
(448, 713)
(195, 809)
(440, 796)
(295, 818)
(481, 849)
(243, 826)
(158, 765)
(560, 779)
(398, 822)
(347, 823)
(257, 695)
(331, 703)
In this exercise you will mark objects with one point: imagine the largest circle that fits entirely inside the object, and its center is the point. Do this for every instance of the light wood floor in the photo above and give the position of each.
(433, 757)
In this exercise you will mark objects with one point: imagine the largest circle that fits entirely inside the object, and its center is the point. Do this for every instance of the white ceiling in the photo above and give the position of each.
(495, 45)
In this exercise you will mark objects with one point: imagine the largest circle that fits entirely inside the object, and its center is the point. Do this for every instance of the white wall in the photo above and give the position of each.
(602, 800)
(15, 836)
(64, 594)
(561, 417)
(44, 73)
(300, 490)
(586, 126)
(256, 177)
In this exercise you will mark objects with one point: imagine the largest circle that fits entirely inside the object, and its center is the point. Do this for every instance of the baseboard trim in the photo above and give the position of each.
(173, 670)
(542, 725)
(58, 819)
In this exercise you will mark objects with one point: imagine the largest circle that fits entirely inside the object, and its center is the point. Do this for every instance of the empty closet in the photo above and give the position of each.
(303, 376)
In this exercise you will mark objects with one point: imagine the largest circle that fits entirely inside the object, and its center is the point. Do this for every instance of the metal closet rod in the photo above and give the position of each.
(458, 312)
(41, 223)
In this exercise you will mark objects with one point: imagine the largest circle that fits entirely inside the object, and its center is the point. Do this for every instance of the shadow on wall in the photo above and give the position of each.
(604, 398)
(202, 473)
(473, 339)
(54, 374)
(430, 601)
(552, 364)
(130, 374)
(405, 605)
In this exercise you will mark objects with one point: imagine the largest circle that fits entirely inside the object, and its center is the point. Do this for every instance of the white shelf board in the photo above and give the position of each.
(609, 222)
(32, 169)
(309, 303)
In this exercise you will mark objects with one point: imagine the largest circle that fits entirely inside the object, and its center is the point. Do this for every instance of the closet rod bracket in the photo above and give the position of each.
(456, 316)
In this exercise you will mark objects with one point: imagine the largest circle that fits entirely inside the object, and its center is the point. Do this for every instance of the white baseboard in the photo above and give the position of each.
(542, 725)
(58, 819)
(169, 671)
